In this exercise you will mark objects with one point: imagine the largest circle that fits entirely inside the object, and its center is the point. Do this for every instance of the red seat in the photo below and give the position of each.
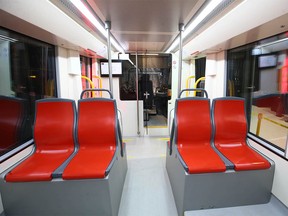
(11, 120)
(96, 138)
(230, 129)
(193, 136)
(54, 141)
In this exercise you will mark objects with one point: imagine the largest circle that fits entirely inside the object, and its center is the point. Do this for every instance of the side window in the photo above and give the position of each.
(27, 73)
(258, 72)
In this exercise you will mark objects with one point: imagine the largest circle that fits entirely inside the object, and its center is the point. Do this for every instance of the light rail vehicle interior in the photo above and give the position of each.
(143, 107)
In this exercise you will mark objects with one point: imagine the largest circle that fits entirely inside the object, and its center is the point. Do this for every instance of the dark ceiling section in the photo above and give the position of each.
(145, 25)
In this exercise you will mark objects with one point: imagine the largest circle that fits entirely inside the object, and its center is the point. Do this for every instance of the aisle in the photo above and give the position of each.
(147, 191)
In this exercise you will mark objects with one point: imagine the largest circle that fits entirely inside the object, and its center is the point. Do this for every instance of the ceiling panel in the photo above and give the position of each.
(145, 24)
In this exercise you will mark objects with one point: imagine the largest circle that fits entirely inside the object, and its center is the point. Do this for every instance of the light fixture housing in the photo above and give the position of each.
(195, 22)
(95, 22)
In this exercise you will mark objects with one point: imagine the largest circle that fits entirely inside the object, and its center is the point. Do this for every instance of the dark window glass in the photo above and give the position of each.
(27, 73)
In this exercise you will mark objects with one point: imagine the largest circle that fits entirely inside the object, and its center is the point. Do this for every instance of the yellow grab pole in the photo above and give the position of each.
(100, 83)
(260, 116)
(91, 83)
(196, 83)
(187, 84)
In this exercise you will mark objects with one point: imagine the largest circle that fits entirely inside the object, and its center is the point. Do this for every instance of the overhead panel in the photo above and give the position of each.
(145, 25)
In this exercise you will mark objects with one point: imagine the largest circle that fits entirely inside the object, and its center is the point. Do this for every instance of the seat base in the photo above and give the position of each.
(217, 190)
(58, 197)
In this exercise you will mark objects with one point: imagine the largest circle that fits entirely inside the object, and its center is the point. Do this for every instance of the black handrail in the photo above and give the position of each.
(91, 90)
(197, 89)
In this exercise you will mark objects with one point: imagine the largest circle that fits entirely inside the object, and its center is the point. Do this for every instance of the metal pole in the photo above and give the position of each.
(108, 28)
(286, 148)
(137, 96)
(181, 29)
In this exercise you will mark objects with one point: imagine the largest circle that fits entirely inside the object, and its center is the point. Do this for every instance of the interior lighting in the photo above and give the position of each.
(87, 13)
(192, 25)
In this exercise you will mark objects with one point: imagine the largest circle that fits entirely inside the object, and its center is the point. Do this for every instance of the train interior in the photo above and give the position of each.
(136, 108)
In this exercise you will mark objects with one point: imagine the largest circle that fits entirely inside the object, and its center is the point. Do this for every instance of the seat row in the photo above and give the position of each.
(79, 162)
(214, 141)
(209, 161)
(71, 145)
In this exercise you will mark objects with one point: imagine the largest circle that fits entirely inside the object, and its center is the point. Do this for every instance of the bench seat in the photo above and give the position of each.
(38, 167)
(201, 159)
(89, 163)
(198, 177)
(230, 134)
(243, 157)
(193, 136)
(53, 139)
(94, 168)
(97, 139)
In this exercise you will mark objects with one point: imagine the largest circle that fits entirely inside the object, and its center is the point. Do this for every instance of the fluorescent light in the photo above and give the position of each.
(116, 45)
(191, 26)
(173, 45)
(6, 38)
(87, 13)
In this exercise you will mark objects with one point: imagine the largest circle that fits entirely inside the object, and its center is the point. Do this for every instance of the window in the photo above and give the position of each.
(258, 72)
(27, 73)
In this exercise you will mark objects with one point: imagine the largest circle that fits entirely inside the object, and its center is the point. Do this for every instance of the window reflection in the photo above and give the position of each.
(258, 72)
(27, 69)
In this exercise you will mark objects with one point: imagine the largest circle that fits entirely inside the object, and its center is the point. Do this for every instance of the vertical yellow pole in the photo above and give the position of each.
(260, 116)
(187, 84)
(196, 83)
(91, 83)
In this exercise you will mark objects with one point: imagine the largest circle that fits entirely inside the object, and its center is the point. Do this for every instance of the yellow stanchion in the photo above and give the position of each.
(91, 84)
(196, 83)
(99, 82)
(260, 116)
(187, 84)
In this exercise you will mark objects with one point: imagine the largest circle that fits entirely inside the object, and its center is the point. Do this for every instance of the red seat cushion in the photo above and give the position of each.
(230, 135)
(89, 163)
(193, 135)
(96, 138)
(54, 141)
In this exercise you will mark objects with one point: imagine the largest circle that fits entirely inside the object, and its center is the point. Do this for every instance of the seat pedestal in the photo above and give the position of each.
(66, 198)
(217, 190)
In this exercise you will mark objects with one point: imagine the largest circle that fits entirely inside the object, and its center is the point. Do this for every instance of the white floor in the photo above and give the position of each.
(147, 190)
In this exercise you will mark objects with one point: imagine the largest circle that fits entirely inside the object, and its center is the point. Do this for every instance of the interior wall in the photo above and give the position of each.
(68, 73)
(215, 75)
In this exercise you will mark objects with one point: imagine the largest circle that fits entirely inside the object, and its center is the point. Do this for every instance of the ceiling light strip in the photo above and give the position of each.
(87, 13)
(195, 22)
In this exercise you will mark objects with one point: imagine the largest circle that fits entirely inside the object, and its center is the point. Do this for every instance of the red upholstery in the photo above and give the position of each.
(230, 135)
(11, 119)
(54, 141)
(96, 138)
(194, 136)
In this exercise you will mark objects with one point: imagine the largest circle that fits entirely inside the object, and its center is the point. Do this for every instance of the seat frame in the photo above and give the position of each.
(100, 197)
(215, 190)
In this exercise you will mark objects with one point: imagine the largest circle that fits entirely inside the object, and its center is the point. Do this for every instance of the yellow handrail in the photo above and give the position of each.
(187, 84)
(99, 82)
(91, 84)
(196, 83)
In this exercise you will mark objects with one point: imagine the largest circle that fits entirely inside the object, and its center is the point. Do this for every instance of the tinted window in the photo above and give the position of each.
(27, 73)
